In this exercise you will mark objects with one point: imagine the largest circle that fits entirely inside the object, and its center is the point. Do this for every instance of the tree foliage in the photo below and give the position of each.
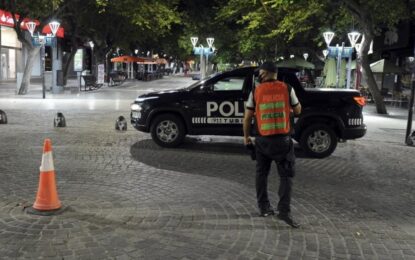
(243, 29)
(288, 24)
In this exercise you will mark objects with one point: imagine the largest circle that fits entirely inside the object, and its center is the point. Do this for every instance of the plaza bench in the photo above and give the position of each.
(90, 82)
(117, 78)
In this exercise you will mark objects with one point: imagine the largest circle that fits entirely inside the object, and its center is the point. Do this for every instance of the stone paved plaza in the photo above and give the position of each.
(126, 198)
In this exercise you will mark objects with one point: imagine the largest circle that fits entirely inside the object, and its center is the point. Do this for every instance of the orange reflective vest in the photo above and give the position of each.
(272, 108)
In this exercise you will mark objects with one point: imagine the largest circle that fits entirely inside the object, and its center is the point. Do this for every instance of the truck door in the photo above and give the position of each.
(218, 106)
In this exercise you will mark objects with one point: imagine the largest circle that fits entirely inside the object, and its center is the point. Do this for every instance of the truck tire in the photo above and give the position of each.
(318, 140)
(167, 130)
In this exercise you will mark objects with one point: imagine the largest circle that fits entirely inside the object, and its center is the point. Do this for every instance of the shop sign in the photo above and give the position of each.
(78, 60)
(47, 41)
(101, 74)
(6, 19)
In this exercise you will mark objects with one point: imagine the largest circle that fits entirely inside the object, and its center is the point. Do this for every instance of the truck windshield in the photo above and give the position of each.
(199, 82)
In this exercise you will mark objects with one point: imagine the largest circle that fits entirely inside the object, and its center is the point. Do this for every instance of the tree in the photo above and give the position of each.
(301, 23)
(44, 11)
(372, 15)
(140, 26)
(75, 32)
(106, 23)
(269, 29)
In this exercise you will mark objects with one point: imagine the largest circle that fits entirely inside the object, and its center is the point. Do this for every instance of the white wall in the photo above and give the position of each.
(36, 66)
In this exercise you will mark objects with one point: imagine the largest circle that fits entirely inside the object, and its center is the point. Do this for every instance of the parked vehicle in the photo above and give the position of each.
(215, 106)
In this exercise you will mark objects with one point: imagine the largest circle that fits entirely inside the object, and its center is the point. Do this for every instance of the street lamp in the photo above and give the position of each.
(42, 40)
(325, 53)
(341, 52)
(91, 44)
(305, 55)
(358, 47)
(203, 51)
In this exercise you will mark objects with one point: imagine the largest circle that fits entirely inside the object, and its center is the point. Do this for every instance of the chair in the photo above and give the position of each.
(91, 82)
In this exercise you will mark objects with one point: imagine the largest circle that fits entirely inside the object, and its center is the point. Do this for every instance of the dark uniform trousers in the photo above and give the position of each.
(280, 149)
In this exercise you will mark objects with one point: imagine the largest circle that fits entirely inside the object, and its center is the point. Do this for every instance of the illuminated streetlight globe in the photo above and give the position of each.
(210, 41)
(328, 37)
(305, 55)
(325, 53)
(353, 37)
(54, 26)
(31, 27)
(194, 40)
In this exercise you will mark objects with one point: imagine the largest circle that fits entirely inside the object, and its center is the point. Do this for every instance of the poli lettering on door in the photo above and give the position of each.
(225, 112)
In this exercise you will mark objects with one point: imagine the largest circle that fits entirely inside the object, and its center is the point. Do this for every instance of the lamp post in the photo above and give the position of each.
(408, 139)
(341, 52)
(42, 40)
(91, 44)
(210, 41)
(325, 53)
(358, 47)
(203, 51)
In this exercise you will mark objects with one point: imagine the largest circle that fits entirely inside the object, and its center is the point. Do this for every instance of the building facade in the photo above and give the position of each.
(13, 55)
(10, 53)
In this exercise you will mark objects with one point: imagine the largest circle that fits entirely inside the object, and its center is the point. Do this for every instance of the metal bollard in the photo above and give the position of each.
(3, 117)
(59, 120)
(121, 124)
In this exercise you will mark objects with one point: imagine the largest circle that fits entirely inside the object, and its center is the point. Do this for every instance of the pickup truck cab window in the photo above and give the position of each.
(229, 84)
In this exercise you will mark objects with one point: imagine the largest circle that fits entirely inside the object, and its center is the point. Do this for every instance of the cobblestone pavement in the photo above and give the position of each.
(126, 198)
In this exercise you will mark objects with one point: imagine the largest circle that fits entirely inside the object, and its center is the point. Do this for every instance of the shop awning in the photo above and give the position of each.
(384, 66)
(139, 60)
(6, 19)
(60, 33)
(127, 59)
(147, 61)
(161, 61)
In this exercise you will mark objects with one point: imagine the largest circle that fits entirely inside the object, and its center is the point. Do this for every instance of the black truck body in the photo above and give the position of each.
(215, 106)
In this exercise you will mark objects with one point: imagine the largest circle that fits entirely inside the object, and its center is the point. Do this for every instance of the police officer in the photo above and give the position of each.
(271, 103)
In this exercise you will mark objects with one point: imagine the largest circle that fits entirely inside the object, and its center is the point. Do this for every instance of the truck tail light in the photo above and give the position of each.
(360, 101)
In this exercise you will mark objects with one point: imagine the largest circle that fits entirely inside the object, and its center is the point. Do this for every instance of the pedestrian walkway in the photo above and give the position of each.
(126, 198)
(72, 90)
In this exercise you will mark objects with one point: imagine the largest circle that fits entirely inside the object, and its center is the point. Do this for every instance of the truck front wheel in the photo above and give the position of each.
(167, 130)
(318, 140)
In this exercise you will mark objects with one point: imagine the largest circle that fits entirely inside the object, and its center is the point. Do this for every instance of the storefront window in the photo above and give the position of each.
(9, 38)
(8, 63)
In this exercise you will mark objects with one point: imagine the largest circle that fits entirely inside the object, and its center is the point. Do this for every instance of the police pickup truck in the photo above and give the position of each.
(215, 106)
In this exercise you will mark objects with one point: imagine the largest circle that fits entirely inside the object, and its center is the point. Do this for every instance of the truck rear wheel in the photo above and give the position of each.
(318, 140)
(167, 130)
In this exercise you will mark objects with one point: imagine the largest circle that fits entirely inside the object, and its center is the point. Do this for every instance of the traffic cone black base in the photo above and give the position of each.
(32, 211)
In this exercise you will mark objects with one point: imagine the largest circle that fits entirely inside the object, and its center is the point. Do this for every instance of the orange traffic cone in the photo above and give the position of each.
(47, 196)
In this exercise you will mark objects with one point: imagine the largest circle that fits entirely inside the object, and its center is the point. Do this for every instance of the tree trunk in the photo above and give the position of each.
(370, 79)
(363, 15)
(68, 63)
(24, 86)
(276, 51)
